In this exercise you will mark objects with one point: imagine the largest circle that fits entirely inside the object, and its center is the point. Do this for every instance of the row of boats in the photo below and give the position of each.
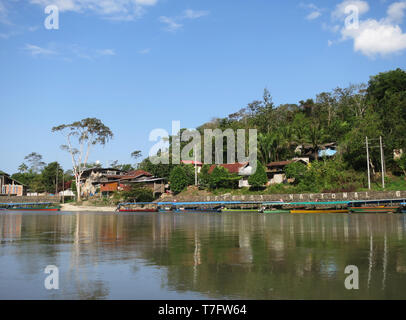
(359, 206)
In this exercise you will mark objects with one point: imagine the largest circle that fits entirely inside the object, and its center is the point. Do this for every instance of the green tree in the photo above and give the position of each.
(297, 171)
(259, 178)
(138, 194)
(51, 175)
(204, 177)
(401, 162)
(178, 179)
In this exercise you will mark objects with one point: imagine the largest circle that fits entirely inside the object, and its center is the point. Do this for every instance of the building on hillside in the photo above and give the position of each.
(242, 169)
(276, 170)
(11, 187)
(324, 150)
(92, 179)
(137, 177)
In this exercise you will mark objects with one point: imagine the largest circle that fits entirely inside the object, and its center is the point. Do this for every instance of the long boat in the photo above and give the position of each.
(30, 206)
(376, 206)
(375, 209)
(239, 210)
(319, 211)
(137, 207)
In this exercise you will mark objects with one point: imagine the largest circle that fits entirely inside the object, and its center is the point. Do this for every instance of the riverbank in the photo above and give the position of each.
(73, 208)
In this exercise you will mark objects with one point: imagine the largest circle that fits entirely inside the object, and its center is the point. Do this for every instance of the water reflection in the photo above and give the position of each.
(159, 256)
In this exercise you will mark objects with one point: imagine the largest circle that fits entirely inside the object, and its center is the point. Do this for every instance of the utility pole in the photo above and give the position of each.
(63, 188)
(369, 176)
(195, 167)
(56, 180)
(382, 162)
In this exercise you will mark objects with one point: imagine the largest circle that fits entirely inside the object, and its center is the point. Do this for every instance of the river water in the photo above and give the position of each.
(202, 256)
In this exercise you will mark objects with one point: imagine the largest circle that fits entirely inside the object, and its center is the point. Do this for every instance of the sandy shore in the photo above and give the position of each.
(73, 208)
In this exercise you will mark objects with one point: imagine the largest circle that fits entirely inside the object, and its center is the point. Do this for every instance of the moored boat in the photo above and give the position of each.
(276, 211)
(319, 211)
(239, 210)
(31, 206)
(375, 209)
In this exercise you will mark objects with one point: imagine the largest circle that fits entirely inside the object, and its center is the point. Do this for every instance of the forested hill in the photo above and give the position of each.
(343, 115)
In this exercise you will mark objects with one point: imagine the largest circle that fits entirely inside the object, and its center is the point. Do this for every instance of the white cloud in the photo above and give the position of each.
(68, 52)
(106, 52)
(36, 50)
(340, 10)
(3, 13)
(315, 11)
(110, 9)
(376, 37)
(193, 14)
(396, 12)
(171, 24)
(313, 15)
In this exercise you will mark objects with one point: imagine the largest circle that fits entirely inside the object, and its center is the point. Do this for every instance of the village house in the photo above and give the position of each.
(143, 179)
(242, 169)
(276, 170)
(92, 179)
(11, 187)
(323, 150)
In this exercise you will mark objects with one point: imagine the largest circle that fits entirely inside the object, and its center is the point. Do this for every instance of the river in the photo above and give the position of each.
(202, 255)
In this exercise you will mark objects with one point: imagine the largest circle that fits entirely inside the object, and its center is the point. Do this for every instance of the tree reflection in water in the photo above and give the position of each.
(233, 255)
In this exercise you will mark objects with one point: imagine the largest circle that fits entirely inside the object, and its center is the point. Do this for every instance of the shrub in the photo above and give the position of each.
(258, 178)
(178, 179)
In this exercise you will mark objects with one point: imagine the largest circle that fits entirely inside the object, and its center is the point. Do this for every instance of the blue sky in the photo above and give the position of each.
(139, 64)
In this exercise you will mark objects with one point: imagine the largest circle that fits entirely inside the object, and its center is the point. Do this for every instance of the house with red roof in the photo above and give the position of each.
(243, 169)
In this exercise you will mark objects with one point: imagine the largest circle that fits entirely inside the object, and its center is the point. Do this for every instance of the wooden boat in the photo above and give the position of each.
(375, 209)
(238, 210)
(319, 211)
(193, 210)
(31, 206)
(276, 211)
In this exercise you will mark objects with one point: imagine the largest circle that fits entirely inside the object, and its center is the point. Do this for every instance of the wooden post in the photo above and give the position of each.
(369, 176)
(382, 162)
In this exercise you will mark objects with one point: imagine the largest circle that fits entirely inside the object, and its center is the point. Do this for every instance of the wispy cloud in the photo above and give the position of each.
(4, 13)
(171, 24)
(174, 24)
(106, 52)
(124, 10)
(68, 52)
(315, 11)
(193, 14)
(38, 51)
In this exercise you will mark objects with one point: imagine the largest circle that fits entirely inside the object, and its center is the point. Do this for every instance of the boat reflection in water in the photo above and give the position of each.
(188, 256)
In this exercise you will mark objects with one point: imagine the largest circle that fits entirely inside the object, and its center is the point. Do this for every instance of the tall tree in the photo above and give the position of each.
(87, 133)
(35, 161)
